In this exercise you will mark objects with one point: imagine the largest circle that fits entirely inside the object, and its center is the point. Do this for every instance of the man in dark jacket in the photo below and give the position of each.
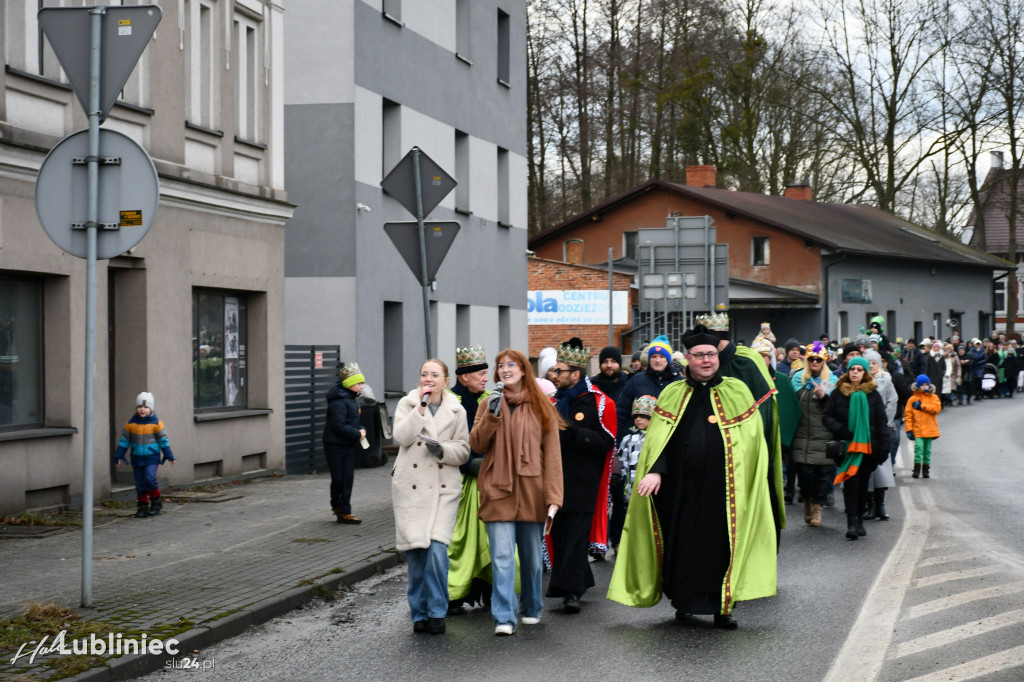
(651, 381)
(611, 378)
(342, 435)
(586, 445)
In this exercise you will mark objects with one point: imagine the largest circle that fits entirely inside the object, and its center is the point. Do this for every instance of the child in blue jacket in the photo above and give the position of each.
(145, 438)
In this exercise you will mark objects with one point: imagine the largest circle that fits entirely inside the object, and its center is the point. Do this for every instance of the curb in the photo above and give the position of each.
(198, 638)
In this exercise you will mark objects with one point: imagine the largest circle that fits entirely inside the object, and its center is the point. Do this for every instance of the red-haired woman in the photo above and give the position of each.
(520, 485)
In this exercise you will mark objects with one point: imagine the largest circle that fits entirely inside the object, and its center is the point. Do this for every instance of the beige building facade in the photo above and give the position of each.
(195, 312)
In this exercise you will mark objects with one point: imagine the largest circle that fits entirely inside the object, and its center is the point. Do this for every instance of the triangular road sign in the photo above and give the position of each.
(125, 33)
(438, 238)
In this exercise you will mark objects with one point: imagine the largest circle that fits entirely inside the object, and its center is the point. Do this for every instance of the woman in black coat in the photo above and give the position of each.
(837, 420)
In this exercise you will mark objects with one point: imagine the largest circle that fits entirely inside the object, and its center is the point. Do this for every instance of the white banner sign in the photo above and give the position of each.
(576, 307)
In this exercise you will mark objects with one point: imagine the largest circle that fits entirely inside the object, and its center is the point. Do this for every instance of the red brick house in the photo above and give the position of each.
(806, 267)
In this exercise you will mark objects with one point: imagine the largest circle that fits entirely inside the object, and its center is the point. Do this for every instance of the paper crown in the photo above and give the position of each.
(816, 350)
(574, 356)
(470, 359)
(349, 374)
(715, 322)
(644, 405)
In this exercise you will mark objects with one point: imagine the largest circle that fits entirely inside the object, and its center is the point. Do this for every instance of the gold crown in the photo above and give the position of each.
(574, 356)
(349, 369)
(470, 355)
(715, 322)
(644, 405)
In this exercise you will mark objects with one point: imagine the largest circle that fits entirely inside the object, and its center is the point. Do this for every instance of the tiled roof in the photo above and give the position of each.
(846, 228)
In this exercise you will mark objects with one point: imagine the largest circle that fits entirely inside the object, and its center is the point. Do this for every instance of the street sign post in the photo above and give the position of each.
(419, 185)
(97, 47)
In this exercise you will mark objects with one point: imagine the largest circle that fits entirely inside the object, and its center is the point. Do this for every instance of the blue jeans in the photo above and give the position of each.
(505, 537)
(145, 481)
(428, 581)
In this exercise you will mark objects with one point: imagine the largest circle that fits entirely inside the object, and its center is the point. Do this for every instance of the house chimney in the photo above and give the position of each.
(996, 160)
(801, 192)
(700, 176)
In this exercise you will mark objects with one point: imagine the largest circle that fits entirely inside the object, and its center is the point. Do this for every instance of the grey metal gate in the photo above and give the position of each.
(309, 372)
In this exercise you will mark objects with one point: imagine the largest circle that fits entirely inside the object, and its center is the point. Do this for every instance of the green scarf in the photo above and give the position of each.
(860, 424)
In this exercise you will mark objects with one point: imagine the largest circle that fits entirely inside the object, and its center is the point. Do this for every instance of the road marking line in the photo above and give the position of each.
(979, 667)
(876, 621)
(937, 605)
(957, 575)
(947, 558)
(957, 634)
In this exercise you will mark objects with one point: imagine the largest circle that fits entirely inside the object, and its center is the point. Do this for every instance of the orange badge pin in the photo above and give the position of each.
(712, 419)
(579, 416)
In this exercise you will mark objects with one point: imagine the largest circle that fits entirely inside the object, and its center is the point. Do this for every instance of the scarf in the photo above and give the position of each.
(516, 423)
(563, 399)
(860, 424)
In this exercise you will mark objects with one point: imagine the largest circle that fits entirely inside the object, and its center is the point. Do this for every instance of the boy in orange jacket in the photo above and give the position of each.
(921, 423)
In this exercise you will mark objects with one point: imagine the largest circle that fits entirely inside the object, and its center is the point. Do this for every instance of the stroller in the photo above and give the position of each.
(988, 380)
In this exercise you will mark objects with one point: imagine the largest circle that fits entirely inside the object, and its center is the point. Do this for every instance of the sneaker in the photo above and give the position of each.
(419, 626)
(530, 620)
(435, 626)
(504, 629)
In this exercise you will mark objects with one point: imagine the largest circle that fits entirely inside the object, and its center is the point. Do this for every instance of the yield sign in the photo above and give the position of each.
(438, 236)
(434, 183)
(124, 35)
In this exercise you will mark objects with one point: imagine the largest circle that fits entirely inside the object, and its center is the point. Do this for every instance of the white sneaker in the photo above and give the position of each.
(530, 620)
(504, 629)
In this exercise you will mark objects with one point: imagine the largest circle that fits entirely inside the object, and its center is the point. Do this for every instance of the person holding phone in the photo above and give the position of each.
(520, 485)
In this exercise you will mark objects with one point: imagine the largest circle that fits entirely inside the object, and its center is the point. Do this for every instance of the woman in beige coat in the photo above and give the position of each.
(520, 485)
(430, 429)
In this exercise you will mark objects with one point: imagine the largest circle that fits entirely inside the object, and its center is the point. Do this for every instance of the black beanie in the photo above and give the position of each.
(610, 352)
(791, 344)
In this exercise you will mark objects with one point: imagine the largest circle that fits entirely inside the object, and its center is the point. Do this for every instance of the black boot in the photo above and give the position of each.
(155, 506)
(917, 470)
(851, 528)
(860, 527)
(142, 511)
(872, 510)
(880, 505)
(924, 471)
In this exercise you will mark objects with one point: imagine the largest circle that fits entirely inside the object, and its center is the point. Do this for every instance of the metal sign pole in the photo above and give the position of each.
(421, 229)
(611, 300)
(95, 26)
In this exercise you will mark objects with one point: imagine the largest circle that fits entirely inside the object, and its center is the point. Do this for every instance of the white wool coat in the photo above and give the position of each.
(425, 491)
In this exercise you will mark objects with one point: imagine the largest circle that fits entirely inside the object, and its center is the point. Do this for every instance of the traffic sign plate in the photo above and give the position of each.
(129, 191)
(435, 184)
(438, 237)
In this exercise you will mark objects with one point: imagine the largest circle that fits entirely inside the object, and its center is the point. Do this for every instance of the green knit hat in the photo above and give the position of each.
(350, 375)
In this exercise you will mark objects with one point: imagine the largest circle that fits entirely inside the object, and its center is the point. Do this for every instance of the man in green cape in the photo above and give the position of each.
(701, 527)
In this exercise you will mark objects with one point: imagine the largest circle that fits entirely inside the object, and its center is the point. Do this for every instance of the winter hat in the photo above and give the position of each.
(922, 380)
(545, 363)
(546, 387)
(644, 406)
(350, 375)
(877, 323)
(791, 344)
(850, 347)
(870, 355)
(660, 346)
(144, 399)
(859, 362)
(609, 352)
(546, 351)
(636, 356)
(875, 338)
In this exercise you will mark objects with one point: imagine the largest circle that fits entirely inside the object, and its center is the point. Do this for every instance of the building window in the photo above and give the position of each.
(393, 10)
(200, 75)
(462, 176)
(629, 245)
(219, 354)
(21, 356)
(504, 326)
(760, 251)
(393, 347)
(504, 43)
(504, 214)
(463, 28)
(247, 58)
(391, 135)
(27, 48)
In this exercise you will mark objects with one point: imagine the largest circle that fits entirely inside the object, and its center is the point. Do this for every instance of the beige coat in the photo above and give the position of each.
(425, 491)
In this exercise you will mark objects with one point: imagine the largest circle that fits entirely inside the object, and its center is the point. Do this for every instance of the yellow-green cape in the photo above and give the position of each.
(752, 573)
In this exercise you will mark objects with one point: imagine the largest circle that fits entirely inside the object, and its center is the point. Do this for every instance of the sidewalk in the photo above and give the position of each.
(213, 563)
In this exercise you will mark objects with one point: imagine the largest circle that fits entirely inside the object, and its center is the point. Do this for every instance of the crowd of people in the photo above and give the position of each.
(680, 463)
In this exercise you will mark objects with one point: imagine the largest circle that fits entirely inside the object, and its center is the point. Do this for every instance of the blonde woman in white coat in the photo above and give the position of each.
(433, 436)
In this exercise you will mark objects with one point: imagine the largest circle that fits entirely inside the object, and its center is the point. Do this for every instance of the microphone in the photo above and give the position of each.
(499, 387)
(425, 398)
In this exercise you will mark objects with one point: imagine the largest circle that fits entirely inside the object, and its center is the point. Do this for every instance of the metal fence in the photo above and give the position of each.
(309, 372)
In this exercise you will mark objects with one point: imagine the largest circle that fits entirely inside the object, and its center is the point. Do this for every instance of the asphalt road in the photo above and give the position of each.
(935, 593)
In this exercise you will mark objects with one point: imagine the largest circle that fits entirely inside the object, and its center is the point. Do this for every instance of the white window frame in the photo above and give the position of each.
(200, 29)
(247, 41)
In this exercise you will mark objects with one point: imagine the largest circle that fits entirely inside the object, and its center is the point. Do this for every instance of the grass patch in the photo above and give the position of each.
(312, 540)
(28, 518)
(118, 504)
(46, 619)
(323, 592)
